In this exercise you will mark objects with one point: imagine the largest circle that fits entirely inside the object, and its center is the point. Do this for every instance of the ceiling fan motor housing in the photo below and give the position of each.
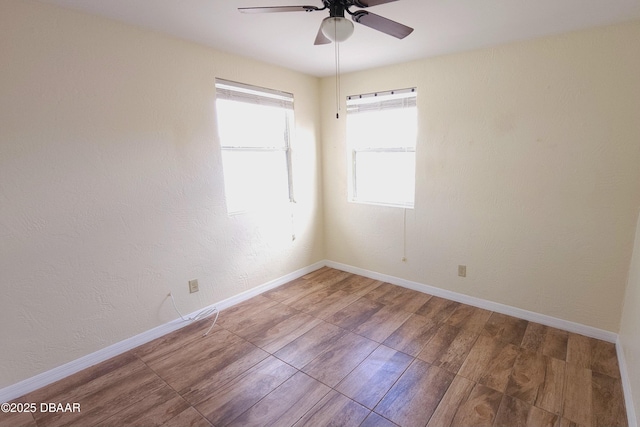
(336, 8)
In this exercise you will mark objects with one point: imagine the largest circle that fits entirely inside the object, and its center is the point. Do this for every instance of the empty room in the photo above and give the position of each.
(332, 212)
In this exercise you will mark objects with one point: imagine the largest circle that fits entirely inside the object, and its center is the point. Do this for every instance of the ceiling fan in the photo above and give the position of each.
(336, 27)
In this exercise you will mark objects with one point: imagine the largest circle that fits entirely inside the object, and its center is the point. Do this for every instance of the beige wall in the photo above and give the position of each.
(630, 326)
(528, 172)
(111, 187)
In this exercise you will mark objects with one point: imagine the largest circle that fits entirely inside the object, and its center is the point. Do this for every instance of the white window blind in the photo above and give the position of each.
(381, 139)
(404, 98)
(240, 92)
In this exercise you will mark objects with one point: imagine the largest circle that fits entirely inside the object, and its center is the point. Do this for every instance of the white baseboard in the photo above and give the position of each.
(626, 386)
(30, 384)
(236, 299)
(482, 303)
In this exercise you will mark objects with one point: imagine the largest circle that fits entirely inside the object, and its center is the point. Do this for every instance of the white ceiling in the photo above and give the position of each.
(286, 39)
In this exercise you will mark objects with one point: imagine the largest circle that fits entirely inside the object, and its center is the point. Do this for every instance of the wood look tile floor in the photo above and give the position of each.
(333, 348)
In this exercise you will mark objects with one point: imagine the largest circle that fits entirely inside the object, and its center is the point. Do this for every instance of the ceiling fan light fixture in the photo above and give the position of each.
(337, 29)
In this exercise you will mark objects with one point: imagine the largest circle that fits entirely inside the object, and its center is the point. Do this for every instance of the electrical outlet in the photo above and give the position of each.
(462, 270)
(193, 286)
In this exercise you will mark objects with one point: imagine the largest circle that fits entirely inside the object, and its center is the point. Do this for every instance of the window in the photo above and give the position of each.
(381, 139)
(254, 126)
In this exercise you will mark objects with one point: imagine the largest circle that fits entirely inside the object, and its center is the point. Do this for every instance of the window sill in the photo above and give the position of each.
(384, 204)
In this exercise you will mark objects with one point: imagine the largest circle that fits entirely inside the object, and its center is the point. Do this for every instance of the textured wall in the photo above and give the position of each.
(111, 186)
(629, 336)
(527, 172)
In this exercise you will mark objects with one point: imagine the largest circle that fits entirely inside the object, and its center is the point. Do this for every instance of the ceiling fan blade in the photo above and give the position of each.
(381, 23)
(321, 38)
(369, 3)
(271, 9)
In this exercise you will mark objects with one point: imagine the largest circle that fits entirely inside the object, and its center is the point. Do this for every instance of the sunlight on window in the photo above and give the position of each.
(254, 129)
(241, 124)
(383, 129)
(385, 177)
(254, 179)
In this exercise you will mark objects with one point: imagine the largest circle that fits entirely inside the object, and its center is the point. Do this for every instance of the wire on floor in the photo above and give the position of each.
(202, 315)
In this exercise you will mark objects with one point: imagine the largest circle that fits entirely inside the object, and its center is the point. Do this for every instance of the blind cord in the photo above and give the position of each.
(337, 58)
(404, 236)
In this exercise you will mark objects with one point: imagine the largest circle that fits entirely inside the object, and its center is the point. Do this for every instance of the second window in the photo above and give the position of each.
(381, 139)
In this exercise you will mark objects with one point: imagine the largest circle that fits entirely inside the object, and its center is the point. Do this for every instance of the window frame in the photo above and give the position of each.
(250, 94)
(411, 99)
